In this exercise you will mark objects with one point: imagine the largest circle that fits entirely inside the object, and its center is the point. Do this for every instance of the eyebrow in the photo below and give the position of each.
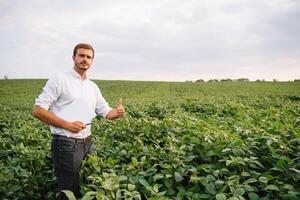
(84, 55)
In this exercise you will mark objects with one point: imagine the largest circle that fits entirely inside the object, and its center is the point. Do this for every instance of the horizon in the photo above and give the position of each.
(193, 81)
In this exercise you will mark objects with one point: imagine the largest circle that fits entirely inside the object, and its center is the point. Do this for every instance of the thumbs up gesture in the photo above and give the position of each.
(121, 103)
(120, 108)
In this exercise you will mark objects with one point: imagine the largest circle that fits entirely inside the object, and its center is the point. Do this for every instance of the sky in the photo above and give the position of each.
(157, 40)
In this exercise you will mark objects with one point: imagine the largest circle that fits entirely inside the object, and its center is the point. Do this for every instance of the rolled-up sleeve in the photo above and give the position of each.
(102, 106)
(50, 93)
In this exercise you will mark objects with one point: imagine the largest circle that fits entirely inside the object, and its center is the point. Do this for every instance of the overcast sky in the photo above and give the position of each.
(166, 40)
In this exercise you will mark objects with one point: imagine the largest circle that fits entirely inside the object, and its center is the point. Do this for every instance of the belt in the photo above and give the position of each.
(77, 140)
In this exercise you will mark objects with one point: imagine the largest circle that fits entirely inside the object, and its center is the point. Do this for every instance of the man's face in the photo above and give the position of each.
(83, 59)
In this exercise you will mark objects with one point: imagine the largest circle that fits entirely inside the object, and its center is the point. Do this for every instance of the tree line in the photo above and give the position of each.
(235, 80)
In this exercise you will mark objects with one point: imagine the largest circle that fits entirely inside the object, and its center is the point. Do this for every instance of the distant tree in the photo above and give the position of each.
(226, 80)
(213, 80)
(258, 80)
(200, 81)
(275, 80)
(243, 80)
(188, 81)
(5, 77)
(297, 80)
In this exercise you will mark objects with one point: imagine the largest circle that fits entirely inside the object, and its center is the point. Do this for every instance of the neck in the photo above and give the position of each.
(81, 72)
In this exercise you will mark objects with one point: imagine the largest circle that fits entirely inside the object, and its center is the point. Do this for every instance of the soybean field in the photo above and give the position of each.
(216, 140)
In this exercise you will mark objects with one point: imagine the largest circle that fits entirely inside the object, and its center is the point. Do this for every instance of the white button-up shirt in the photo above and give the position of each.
(62, 90)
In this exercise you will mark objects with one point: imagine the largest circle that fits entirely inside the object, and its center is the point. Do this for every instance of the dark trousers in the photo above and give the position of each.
(67, 154)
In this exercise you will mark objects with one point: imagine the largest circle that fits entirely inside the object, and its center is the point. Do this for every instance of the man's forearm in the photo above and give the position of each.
(48, 117)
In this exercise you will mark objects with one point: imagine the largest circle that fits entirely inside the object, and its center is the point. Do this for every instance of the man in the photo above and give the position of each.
(61, 99)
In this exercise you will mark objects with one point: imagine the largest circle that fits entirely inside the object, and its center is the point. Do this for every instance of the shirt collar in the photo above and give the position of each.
(76, 75)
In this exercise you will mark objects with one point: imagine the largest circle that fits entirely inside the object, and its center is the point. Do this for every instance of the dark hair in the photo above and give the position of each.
(83, 46)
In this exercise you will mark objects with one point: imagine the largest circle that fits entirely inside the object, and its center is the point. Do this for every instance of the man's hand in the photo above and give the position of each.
(74, 127)
(117, 112)
(120, 108)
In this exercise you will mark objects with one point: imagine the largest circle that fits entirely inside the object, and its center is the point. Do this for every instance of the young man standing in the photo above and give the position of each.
(71, 141)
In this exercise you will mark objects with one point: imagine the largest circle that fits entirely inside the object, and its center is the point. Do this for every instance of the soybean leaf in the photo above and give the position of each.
(69, 194)
(221, 196)
(178, 177)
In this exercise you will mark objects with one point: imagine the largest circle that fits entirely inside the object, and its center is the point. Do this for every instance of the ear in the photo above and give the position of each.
(73, 57)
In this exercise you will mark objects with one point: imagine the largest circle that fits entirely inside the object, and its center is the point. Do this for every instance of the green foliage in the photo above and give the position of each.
(217, 140)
